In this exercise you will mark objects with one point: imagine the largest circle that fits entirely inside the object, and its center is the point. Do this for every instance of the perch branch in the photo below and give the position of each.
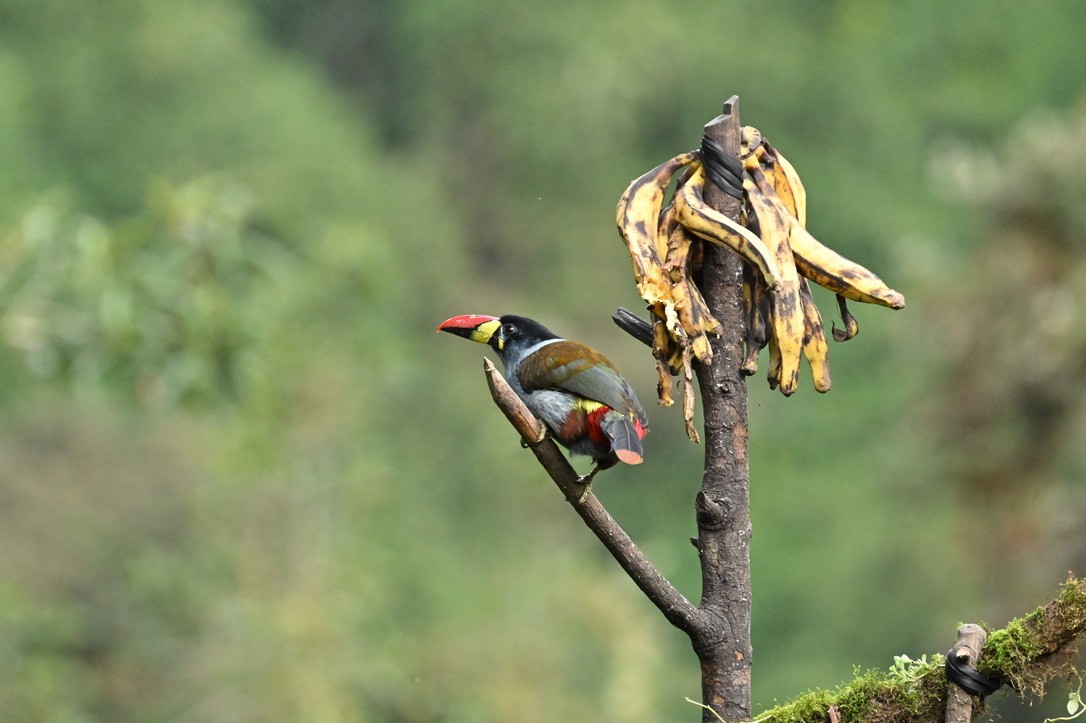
(676, 608)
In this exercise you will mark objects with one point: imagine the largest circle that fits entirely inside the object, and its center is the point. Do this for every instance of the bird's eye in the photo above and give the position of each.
(508, 330)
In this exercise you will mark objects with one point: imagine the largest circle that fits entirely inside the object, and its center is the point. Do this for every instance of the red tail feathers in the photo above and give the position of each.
(625, 436)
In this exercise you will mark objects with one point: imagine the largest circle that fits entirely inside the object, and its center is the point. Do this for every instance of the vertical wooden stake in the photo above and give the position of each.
(971, 640)
(723, 504)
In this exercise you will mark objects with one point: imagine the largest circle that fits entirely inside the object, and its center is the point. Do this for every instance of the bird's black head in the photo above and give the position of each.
(518, 333)
(509, 335)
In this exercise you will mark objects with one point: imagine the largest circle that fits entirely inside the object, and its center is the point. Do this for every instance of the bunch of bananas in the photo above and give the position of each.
(664, 241)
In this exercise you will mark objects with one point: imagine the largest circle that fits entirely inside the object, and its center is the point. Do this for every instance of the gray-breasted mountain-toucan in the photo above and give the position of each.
(574, 390)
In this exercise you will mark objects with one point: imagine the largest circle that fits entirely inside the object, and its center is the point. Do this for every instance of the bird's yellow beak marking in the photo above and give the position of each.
(485, 331)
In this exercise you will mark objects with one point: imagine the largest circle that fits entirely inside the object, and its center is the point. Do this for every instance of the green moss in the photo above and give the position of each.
(872, 696)
(1024, 653)
(1009, 651)
(1019, 652)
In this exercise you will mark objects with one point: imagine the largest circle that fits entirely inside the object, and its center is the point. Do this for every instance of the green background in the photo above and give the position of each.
(242, 480)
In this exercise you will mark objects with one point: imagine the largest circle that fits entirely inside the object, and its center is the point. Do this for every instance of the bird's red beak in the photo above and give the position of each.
(476, 327)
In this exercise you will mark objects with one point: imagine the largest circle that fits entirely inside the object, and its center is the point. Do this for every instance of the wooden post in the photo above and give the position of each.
(719, 628)
(959, 704)
(723, 505)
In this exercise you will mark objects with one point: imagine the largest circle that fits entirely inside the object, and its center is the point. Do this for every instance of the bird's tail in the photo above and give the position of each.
(625, 434)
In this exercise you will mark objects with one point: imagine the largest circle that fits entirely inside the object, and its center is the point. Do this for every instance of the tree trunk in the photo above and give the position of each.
(723, 504)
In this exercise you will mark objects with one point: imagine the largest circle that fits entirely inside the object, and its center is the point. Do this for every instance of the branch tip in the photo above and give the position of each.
(711, 514)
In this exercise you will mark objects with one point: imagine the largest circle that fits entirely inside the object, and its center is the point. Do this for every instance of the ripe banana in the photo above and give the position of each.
(691, 313)
(786, 308)
(787, 184)
(815, 347)
(647, 228)
(715, 227)
(773, 373)
(781, 257)
(665, 258)
(688, 396)
(815, 261)
(637, 216)
(661, 350)
(827, 268)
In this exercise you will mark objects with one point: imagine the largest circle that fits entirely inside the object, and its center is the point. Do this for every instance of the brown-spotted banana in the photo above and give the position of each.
(786, 323)
(827, 268)
(713, 226)
(815, 347)
(815, 261)
(637, 216)
(787, 184)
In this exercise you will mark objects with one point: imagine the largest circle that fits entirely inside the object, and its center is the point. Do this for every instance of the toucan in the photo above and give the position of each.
(576, 391)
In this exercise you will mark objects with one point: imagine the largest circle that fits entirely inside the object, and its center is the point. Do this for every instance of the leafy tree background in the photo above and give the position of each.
(240, 479)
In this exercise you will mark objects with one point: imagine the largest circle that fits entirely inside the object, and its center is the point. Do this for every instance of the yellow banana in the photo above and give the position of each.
(815, 347)
(689, 305)
(638, 214)
(788, 185)
(827, 268)
(664, 225)
(748, 366)
(713, 226)
(661, 343)
(659, 263)
(666, 244)
(773, 374)
(665, 347)
(778, 172)
(818, 262)
(786, 309)
(750, 139)
(688, 397)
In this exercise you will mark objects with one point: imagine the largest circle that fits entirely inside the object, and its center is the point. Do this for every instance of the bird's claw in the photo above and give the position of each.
(586, 480)
(525, 444)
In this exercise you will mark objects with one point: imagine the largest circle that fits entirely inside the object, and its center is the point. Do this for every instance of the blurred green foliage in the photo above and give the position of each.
(164, 305)
(240, 479)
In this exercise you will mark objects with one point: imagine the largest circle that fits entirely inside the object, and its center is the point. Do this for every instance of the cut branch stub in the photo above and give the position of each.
(959, 704)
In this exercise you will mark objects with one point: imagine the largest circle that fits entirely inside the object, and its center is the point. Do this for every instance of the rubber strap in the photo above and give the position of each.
(723, 169)
(968, 678)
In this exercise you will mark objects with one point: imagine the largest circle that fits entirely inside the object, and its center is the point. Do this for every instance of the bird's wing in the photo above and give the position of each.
(579, 369)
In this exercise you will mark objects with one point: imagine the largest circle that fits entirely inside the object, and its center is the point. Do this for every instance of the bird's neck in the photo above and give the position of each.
(513, 357)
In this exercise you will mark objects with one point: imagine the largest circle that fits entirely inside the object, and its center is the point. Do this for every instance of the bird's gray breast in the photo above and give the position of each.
(550, 406)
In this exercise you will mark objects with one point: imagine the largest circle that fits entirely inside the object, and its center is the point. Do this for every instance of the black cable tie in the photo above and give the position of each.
(722, 168)
(968, 678)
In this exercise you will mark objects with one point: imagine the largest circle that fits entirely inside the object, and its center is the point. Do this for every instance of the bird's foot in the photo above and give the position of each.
(525, 444)
(586, 480)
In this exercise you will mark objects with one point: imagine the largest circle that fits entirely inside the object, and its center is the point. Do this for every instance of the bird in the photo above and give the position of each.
(582, 400)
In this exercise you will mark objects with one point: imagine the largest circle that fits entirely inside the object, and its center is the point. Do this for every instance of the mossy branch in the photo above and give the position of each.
(1026, 655)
